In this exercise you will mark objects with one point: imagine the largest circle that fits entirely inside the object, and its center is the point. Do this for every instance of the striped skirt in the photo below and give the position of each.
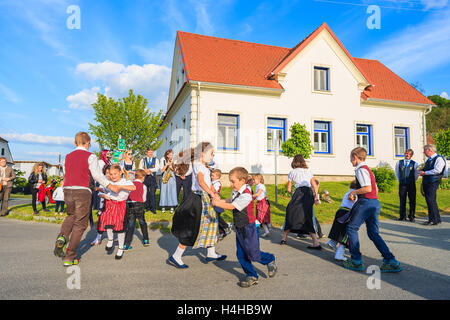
(207, 234)
(113, 216)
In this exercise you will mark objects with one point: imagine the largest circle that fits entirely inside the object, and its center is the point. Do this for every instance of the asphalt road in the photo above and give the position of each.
(29, 270)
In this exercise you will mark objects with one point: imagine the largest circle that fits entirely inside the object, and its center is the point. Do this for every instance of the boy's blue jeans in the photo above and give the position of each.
(367, 212)
(246, 264)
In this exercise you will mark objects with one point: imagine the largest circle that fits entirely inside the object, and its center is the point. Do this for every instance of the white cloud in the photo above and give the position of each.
(445, 95)
(31, 138)
(83, 99)
(434, 4)
(43, 153)
(203, 19)
(408, 52)
(8, 94)
(149, 80)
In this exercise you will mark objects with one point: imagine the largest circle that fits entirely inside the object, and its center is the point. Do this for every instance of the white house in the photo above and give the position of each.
(6, 152)
(27, 167)
(239, 95)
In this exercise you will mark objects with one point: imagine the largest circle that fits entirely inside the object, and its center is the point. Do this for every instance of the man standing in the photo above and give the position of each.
(7, 177)
(431, 178)
(407, 174)
(150, 165)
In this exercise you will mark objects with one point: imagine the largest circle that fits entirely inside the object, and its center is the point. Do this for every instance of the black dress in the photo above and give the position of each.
(186, 219)
(338, 229)
(299, 211)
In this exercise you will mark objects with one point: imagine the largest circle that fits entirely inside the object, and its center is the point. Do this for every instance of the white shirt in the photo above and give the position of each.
(362, 175)
(216, 184)
(197, 168)
(243, 200)
(346, 202)
(58, 194)
(96, 172)
(438, 165)
(397, 168)
(123, 194)
(301, 177)
(152, 170)
(262, 187)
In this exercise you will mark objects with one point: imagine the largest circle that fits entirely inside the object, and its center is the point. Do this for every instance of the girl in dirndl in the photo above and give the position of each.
(338, 234)
(195, 222)
(112, 218)
(299, 211)
(262, 206)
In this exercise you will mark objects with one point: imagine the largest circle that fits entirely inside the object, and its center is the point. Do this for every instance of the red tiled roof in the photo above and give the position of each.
(219, 60)
(387, 85)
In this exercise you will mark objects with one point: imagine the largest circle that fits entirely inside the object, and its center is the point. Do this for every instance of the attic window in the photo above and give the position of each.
(321, 79)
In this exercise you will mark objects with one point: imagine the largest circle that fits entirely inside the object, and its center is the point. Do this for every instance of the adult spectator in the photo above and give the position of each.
(7, 177)
(407, 175)
(432, 175)
(127, 163)
(36, 179)
(168, 193)
(150, 165)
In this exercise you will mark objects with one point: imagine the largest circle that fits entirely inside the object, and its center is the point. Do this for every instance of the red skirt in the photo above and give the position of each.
(113, 216)
(263, 211)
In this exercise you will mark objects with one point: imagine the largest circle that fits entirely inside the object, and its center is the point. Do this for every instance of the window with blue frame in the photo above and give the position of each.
(276, 129)
(322, 137)
(364, 137)
(321, 79)
(228, 131)
(401, 140)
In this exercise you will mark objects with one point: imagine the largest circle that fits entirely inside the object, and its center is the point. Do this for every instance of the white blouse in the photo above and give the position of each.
(262, 187)
(123, 194)
(301, 177)
(196, 169)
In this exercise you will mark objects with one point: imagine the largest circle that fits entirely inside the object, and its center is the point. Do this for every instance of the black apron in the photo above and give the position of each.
(299, 211)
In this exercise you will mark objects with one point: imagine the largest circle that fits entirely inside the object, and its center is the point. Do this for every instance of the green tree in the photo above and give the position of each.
(439, 118)
(130, 118)
(442, 140)
(20, 181)
(298, 143)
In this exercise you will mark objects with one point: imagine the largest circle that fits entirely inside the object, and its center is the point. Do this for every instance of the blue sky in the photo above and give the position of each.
(50, 74)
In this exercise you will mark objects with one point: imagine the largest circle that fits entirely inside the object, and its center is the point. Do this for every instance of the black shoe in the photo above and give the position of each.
(434, 223)
(319, 247)
(427, 223)
(402, 219)
(109, 250)
(283, 242)
(412, 219)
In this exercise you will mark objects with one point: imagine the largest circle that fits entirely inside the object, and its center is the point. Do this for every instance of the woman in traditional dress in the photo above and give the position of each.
(299, 211)
(195, 222)
(168, 194)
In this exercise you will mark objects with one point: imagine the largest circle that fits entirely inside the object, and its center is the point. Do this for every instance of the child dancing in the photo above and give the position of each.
(247, 234)
(262, 206)
(195, 221)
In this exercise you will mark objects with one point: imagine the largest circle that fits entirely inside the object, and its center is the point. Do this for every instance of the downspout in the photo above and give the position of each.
(198, 112)
(430, 108)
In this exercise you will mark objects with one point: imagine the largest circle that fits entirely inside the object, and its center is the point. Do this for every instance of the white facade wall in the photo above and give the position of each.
(5, 152)
(27, 167)
(177, 133)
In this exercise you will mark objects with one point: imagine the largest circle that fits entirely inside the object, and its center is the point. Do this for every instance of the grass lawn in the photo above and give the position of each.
(324, 212)
(21, 196)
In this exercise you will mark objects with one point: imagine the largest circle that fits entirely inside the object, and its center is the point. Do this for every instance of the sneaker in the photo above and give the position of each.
(163, 210)
(60, 247)
(248, 282)
(272, 269)
(146, 243)
(36, 213)
(228, 230)
(265, 234)
(391, 266)
(46, 210)
(171, 210)
(71, 263)
(125, 247)
(353, 265)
